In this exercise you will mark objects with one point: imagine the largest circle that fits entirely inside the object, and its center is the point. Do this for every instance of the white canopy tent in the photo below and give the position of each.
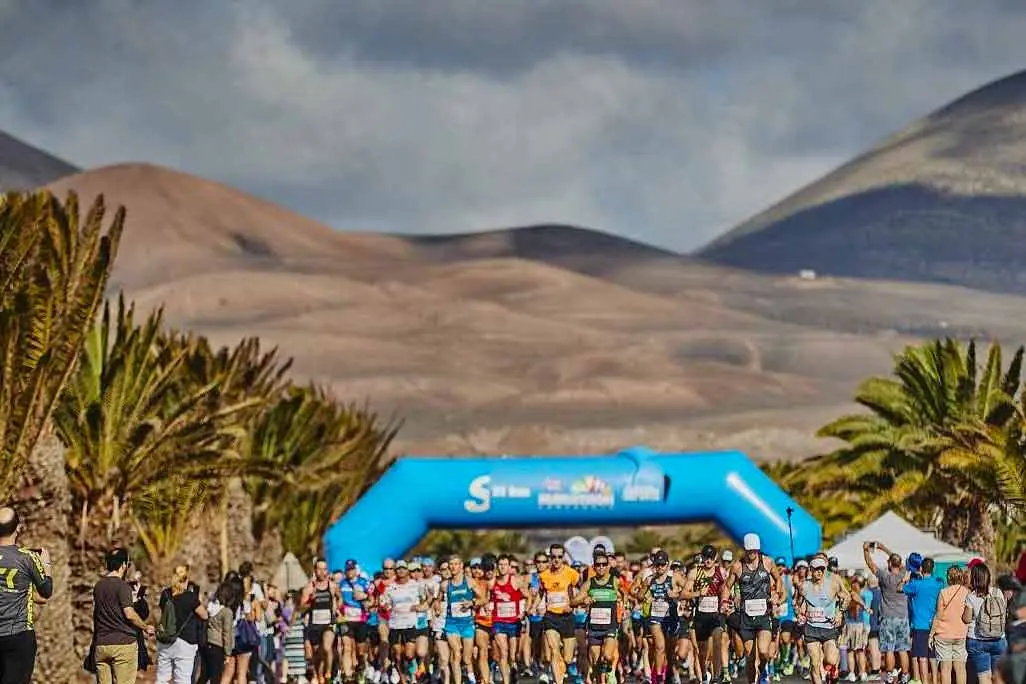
(290, 575)
(900, 536)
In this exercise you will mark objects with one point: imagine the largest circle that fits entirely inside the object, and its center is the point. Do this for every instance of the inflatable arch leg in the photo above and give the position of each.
(633, 487)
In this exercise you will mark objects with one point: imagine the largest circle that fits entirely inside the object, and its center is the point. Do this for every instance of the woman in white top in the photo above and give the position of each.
(986, 609)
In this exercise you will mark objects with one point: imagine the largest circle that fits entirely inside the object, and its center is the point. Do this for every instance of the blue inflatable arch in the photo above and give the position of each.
(633, 487)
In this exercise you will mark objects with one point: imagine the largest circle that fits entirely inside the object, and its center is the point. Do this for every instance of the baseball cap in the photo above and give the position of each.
(428, 562)
(401, 564)
(708, 551)
(802, 564)
(660, 557)
(351, 564)
(414, 565)
(974, 562)
(752, 542)
(781, 562)
(818, 562)
(727, 555)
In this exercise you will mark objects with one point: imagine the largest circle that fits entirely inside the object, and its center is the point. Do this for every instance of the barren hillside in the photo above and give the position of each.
(23, 167)
(499, 348)
(943, 200)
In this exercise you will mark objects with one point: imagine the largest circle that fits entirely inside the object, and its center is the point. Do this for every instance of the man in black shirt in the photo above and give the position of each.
(25, 580)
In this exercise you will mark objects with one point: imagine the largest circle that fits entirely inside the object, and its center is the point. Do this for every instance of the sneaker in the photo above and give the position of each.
(851, 677)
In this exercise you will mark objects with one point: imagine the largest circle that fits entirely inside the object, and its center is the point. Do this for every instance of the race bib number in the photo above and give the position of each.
(321, 616)
(817, 614)
(559, 599)
(660, 609)
(506, 609)
(755, 607)
(404, 608)
(708, 604)
(353, 612)
(460, 610)
(601, 616)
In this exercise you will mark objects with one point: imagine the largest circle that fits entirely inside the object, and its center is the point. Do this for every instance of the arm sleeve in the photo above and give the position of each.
(125, 596)
(42, 583)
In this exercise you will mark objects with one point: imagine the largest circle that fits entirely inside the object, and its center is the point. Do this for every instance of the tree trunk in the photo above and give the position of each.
(43, 502)
(969, 525)
(241, 545)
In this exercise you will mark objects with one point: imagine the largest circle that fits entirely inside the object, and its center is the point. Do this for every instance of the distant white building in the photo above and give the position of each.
(807, 274)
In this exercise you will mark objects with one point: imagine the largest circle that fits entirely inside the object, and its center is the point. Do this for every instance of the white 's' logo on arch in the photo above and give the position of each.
(480, 495)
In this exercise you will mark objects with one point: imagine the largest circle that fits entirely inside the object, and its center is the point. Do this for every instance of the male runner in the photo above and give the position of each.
(602, 595)
(558, 583)
(508, 593)
(356, 594)
(320, 599)
(660, 592)
(457, 599)
(705, 585)
(760, 587)
(819, 597)
(403, 599)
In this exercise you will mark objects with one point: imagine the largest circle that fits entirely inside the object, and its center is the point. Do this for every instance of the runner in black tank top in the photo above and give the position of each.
(760, 588)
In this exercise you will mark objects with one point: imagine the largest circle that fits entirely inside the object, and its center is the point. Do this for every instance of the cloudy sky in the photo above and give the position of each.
(665, 120)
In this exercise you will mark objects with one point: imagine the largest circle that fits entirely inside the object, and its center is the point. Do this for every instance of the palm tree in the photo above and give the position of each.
(921, 449)
(240, 373)
(54, 268)
(469, 543)
(312, 458)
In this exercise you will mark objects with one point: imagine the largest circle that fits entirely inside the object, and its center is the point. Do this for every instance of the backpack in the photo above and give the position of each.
(990, 624)
(167, 630)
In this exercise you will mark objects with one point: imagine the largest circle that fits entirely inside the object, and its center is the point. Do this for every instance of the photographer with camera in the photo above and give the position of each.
(28, 580)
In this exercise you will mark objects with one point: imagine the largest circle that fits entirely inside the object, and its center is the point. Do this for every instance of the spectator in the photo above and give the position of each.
(949, 628)
(873, 650)
(220, 631)
(115, 623)
(143, 609)
(28, 579)
(922, 592)
(247, 638)
(895, 631)
(986, 611)
(855, 634)
(176, 649)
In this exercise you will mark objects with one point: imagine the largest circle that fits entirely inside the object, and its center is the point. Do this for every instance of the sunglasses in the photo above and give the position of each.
(601, 565)
(556, 556)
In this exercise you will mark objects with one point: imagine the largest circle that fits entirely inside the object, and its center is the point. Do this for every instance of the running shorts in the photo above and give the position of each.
(597, 636)
(563, 623)
(462, 629)
(820, 635)
(751, 626)
(400, 637)
(510, 629)
(707, 623)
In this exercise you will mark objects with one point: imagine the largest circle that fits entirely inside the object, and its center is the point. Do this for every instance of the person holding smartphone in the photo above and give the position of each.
(28, 577)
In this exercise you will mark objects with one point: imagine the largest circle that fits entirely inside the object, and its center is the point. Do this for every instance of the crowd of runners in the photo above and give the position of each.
(711, 617)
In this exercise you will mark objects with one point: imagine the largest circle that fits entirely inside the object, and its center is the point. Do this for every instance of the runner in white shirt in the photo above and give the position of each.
(404, 599)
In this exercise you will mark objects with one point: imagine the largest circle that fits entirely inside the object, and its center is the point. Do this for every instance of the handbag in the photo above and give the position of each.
(246, 636)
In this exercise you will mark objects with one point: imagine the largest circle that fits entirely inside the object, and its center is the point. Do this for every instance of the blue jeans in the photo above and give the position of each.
(984, 654)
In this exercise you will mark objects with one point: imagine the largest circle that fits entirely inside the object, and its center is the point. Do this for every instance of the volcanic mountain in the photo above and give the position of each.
(23, 167)
(943, 200)
(548, 339)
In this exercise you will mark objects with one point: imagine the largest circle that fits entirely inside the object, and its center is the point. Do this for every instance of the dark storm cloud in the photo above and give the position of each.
(667, 120)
